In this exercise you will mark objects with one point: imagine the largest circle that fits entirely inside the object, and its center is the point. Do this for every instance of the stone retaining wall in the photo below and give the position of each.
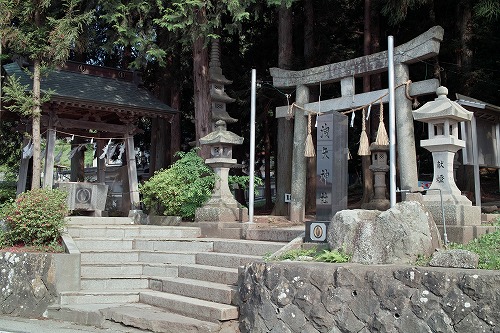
(30, 282)
(302, 297)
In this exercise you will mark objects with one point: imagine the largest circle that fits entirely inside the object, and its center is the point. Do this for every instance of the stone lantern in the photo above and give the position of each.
(222, 206)
(379, 168)
(442, 117)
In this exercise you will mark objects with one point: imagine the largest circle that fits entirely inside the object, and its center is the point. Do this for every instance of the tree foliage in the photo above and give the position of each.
(180, 189)
(182, 16)
(43, 31)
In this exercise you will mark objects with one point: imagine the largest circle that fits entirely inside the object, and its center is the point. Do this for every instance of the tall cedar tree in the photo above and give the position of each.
(43, 31)
(197, 21)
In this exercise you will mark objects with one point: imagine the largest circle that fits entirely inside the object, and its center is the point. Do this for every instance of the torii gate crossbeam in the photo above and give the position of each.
(420, 48)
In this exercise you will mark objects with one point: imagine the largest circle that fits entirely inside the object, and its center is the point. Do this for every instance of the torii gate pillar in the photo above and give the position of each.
(422, 47)
(405, 138)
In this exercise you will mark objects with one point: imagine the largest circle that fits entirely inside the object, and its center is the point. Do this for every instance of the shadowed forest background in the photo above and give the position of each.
(169, 42)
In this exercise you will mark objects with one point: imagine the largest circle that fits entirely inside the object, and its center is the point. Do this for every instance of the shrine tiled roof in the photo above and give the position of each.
(74, 86)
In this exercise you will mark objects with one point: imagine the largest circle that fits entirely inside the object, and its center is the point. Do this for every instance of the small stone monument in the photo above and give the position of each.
(442, 116)
(222, 206)
(379, 168)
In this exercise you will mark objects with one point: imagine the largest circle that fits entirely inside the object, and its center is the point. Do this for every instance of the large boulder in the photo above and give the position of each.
(396, 236)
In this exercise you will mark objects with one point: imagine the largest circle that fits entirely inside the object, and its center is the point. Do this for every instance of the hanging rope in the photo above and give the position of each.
(382, 138)
(309, 149)
(415, 104)
(364, 144)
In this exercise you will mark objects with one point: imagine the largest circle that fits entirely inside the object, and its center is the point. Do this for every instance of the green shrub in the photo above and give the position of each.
(333, 256)
(314, 253)
(181, 188)
(487, 247)
(7, 191)
(35, 218)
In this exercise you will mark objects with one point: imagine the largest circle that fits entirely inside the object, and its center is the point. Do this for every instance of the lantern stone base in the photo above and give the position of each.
(461, 221)
(458, 215)
(221, 214)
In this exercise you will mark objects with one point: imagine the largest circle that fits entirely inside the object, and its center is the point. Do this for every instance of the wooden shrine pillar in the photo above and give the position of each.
(132, 173)
(154, 145)
(101, 163)
(48, 172)
(175, 136)
(23, 169)
(77, 173)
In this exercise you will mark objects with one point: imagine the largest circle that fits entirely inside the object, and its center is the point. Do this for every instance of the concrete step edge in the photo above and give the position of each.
(151, 318)
(191, 307)
(208, 267)
(224, 275)
(84, 314)
(201, 283)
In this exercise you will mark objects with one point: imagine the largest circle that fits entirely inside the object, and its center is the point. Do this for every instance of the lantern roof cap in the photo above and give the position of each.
(441, 108)
(221, 135)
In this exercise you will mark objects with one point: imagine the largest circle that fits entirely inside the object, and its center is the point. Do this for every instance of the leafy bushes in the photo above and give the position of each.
(35, 218)
(313, 254)
(487, 247)
(180, 189)
(7, 191)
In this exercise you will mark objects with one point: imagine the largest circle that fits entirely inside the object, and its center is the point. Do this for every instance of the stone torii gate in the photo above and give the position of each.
(422, 47)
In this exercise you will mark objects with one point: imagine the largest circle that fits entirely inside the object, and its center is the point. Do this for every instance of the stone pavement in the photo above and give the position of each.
(25, 325)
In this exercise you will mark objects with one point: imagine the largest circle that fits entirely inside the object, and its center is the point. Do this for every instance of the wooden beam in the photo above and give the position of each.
(351, 102)
(86, 124)
(422, 47)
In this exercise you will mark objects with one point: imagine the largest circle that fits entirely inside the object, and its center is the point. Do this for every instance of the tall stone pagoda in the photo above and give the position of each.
(217, 83)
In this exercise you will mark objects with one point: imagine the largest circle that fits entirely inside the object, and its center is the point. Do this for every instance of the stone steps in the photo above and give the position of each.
(148, 244)
(123, 269)
(245, 247)
(138, 315)
(131, 231)
(129, 256)
(229, 260)
(205, 290)
(188, 306)
(92, 221)
(99, 297)
(158, 278)
(209, 273)
(114, 283)
(155, 319)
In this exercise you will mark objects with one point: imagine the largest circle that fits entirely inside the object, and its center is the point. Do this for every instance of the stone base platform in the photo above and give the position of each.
(250, 231)
(457, 215)
(464, 234)
(221, 214)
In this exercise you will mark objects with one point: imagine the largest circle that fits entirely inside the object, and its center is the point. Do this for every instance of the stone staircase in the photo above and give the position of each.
(155, 278)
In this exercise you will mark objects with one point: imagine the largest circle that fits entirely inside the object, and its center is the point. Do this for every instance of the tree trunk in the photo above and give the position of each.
(267, 162)
(366, 160)
(464, 54)
(309, 62)
(283, 166)
(37, 163)
(464, 61)
(203, 119)
(36, 115)
(175, 124)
